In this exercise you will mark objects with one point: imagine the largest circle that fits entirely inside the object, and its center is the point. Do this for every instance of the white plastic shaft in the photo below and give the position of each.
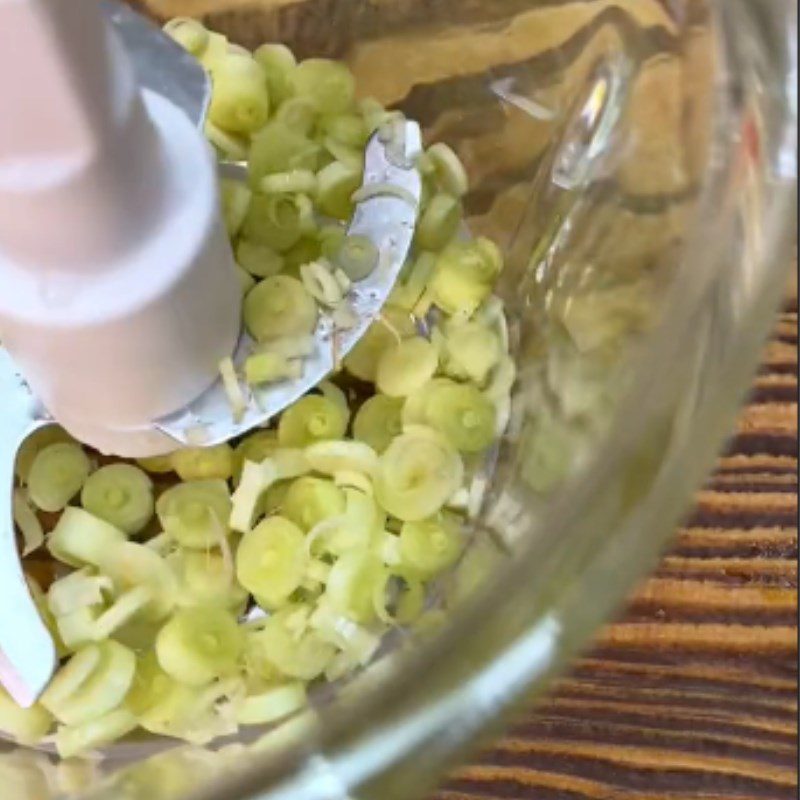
(118, 295)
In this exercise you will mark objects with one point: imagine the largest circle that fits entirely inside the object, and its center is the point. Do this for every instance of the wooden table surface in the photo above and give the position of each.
(693, 693)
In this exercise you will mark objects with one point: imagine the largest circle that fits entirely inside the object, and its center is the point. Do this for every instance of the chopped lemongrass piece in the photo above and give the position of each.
(246, 280)
(357, 256)
(378, 421)
(332, 456)
(417, 474)
(320, 283)
(298, 180)
(388, 330)
(278, 307)
(195, 513)
(449, 170)
(347, 479)
(122, 495)
(229, 144)
(158, 465)
(204, 463)
(255, 480)
(271, 561)
(72, 741)
(344, 154)
(289, 346)
(311, 419)
(28, 523)
(188, 33)
(270, 367)
(80, 538)
(198, 645)
(236, 198)
(439, 222)
(309, 501)
(383, 189)
(233, 391)
(57, 474)
(298, 113)
(258, 259)
(28, 726)
(344, 318)
(77, 590)
(336, 184)
(328, 85)
(405, 368)
(272, 705)
(124, 608)
(34, 444)
(430, 546)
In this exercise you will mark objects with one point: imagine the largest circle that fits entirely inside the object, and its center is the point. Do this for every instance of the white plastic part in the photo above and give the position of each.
(118, 293)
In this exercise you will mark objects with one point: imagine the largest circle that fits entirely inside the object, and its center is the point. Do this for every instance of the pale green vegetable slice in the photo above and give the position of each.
(272, 705)
(258, 259)
(298, 113)
(256, 479)
(303, 656)
(27, 725)
(266, 367)
(120, 494)
(123, 610)
(348, 128)
(352, 530)
(199, 644)
(235, 201)
(357, 642)
(407, 293)
(27, 522)
(464, 275)
(449, 170)
(34, 444)
(77, 590)
(278, 147)
(386, 331)
(237, 402)
(417, 474)
(203, 463)
(279, 221)
(196, 513)
(357, 256)
(130, 565)
(311, 500)
(101, 690)
(80, 538)
(246, 280)
(430, 546)
(337, 455)
(157, 465)
(57, 474)
(188, 33)
(463, 414)
(470, 351)
(406, 367)
(296, 180)
(228, 145)
(321, 284)
(77, 628)
(278, 63)
(439, 222)
(378, 421)
(239, 100)
(71, 676)
(329, 85)
(311, 419)
(255, 447)
(336, 185)
(351, 584)
(208, 578)
(271, 561)
(279, 306)
(72, 741)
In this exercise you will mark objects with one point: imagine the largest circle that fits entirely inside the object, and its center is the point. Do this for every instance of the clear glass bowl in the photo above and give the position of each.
(637, 161)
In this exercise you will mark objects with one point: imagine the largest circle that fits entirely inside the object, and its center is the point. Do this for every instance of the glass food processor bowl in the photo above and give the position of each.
(636, 159)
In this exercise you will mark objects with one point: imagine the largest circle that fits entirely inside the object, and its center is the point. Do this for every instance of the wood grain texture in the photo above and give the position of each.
(693, 693)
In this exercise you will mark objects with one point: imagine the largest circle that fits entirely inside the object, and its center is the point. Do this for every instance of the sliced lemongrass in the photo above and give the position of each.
(502, 379)
(34, 444)
(386, 331)
(208, 578)
(71, 676)
(198, 645)
(343, 153)
(236, 198)
(439, 222)
(417, 474)
(76, 628)
(336, 184)
(350, 585)
(358, 642)
(157, 465)
(28, 726)
(215, 50)
(278, 63)
(258, 259)
(230, 145)
(162, 543)
(80, 538)
(278, 307)
(124, 608)
(330, 457)
(255, 447)
(233, 390)
(344, 318)
(72, 741)
(347, 479)
(130, 565)
(319, 282)
(289, 346)
(330, 237)
(464, 415)
(240, 100)
(311, 419)
(407, 294)
(57, 474)
(297, 180)
(203, 463)
(188, 33)
(268, 367)
(311, 500)
(470, 350)
(406, 367)
(246, 280)
(195, 513)
(77, 590)
(122, 495)
(302, 656)
(430, 546)
(278, 147)
(28, 523)
(383, 189)
(357, 256)
(378, 421)
(328, 84)
(465, 272)
(450, 172)
(298, 113)
(103, 689)
(271, 561)
(272, 705)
